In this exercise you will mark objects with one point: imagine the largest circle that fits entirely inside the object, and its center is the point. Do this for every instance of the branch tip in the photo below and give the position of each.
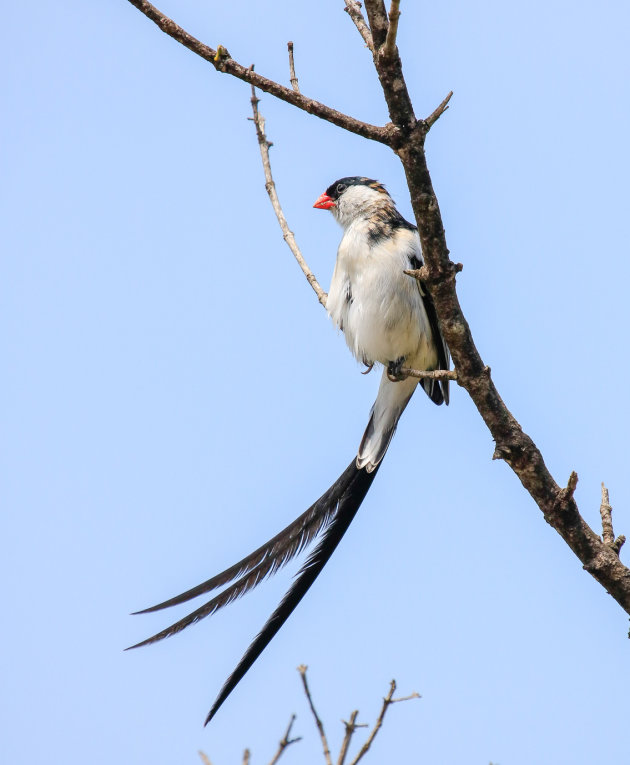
(264, 145)
(389, 49)
(435, 115)
(608, 534)
(353, 9)
(292, 76)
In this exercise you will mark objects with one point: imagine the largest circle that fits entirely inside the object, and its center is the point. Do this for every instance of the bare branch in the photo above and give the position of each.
(434, 374)
(353, 9)
(223, 62)
(435, 115)
(294, 80)
(378, 21)
(287, 234)
(608, 535)
(605, 510)
(285, 742)
(438, 275)
(350, 726)
(320, 727)
(392, 30)
(387, 702)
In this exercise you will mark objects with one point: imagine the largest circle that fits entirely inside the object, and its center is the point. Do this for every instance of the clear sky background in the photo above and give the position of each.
(173, 394)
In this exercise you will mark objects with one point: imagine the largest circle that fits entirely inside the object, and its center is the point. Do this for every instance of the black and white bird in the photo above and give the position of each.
(387, 318)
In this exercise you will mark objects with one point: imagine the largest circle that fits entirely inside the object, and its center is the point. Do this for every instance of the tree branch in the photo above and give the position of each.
(353, 9)
(350, 727)
(285, 742)
(320, 727)
(387, 702)
(287, 234)
(294, 80)
(223, 62)
(438, 274)
(392, 30)
(608, 535)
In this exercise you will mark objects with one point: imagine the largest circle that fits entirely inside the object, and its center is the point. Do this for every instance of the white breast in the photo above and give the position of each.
(378, 307)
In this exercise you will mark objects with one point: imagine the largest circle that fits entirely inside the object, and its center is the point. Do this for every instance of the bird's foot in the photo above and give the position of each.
(393, 370)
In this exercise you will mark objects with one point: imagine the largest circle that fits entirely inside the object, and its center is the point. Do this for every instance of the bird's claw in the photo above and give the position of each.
(393, 370)
(368, 367)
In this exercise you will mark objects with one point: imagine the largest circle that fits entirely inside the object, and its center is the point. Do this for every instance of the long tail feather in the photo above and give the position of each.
(346, 505)
(266, 560)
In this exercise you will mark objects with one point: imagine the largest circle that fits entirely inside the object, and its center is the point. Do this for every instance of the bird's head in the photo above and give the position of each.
(349, 198)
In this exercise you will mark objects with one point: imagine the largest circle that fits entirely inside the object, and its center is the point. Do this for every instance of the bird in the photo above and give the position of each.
(387, 318)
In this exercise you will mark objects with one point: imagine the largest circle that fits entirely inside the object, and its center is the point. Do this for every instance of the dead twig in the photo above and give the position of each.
(294, 80)
(392, 30)
(320, 727)
(437, 113)
(353, 9)
(387, 702)
(287, 234)
(285, 742)
(608, 535)
(350, 727)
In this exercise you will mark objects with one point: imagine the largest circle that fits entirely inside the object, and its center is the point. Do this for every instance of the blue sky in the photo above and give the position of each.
(174, 394)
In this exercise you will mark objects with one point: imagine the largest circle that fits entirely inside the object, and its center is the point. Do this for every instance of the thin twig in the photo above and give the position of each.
(353, 9)
(294, 80)
(287, 234)
(434, 374)
(387, 702)
(285, 742)
(608, 535)
(223, 62)
(350, 726)
(392, 29)
(204, 758)
(437, 113)
(246, 756)
(320, 727)
(605, 510)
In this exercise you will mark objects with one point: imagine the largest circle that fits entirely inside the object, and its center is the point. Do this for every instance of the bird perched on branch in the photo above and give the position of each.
(388, 318)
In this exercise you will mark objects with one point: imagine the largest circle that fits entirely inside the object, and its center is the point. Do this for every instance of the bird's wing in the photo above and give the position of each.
(437, 391)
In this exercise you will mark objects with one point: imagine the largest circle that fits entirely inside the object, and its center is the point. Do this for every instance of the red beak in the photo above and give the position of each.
(324, 202)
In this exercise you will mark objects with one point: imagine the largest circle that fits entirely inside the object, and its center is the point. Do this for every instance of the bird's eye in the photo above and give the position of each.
(341, 187)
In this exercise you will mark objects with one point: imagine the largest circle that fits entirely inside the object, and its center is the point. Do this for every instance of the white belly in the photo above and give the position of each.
(378, 307)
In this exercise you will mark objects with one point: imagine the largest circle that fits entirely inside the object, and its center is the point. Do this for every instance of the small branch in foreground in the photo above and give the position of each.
(608, 535)
(204, 758)
(350, 727)
(285, 742)
(353, 9)
(289, 238)
(392, 29)
(387, 702)
(320, 727)
(294, 80)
